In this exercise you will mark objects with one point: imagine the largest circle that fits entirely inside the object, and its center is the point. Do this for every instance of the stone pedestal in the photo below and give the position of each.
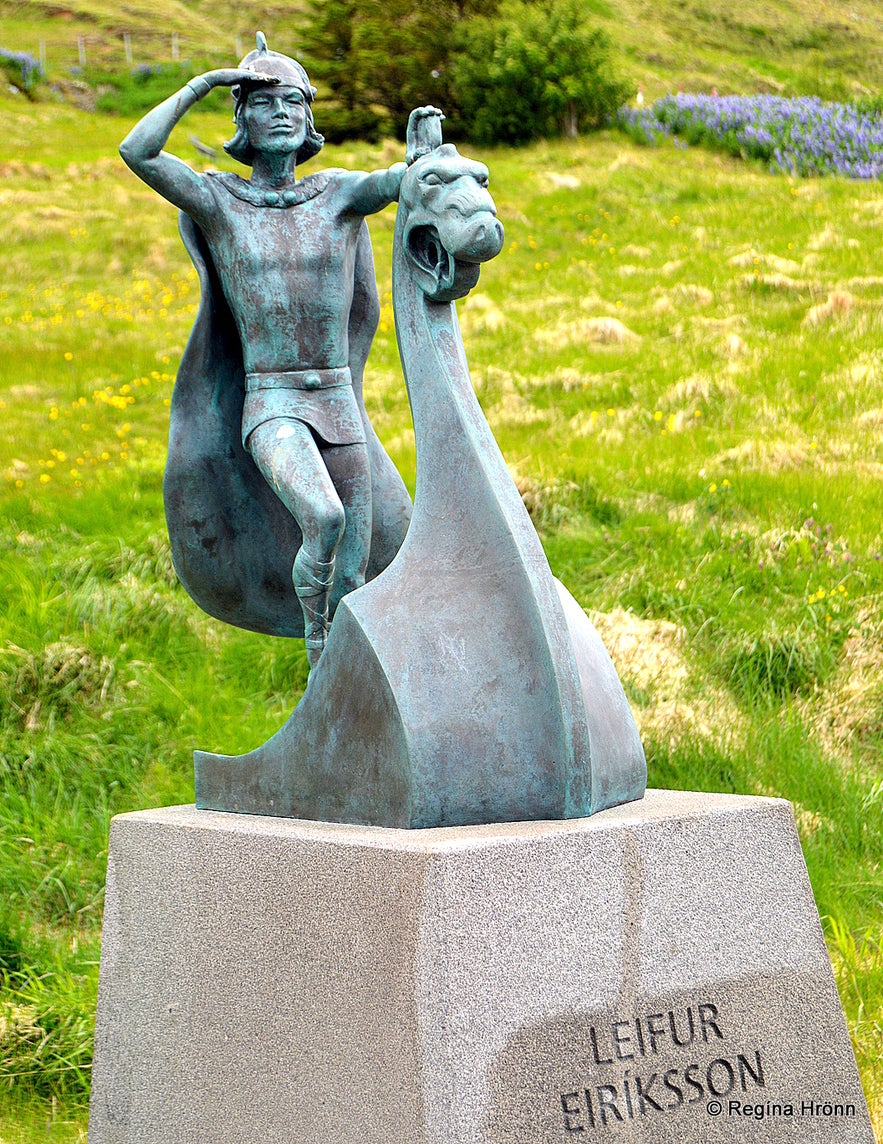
(655, 973)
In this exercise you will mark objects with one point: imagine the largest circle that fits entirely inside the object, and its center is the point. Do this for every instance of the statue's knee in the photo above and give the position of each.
(330, 523)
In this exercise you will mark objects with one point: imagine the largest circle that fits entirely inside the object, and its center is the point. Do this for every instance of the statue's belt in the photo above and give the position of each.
(299, 379)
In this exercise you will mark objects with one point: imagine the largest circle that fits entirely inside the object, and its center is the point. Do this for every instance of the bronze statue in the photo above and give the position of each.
(463, 684)
(275, 363)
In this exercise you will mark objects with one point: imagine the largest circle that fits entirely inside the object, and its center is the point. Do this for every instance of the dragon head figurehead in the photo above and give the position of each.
(451, 224)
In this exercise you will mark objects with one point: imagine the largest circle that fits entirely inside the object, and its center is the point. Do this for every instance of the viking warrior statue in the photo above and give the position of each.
(464, 684)
(275, 478)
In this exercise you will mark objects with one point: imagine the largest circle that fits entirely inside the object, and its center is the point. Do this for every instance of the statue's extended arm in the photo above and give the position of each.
(142, 149)
(369, 193)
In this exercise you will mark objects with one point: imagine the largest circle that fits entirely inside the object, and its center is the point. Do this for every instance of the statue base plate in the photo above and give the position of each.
(655, 973)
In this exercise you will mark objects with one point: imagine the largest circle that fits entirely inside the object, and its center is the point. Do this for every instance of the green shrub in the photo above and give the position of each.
(338, 123)
(535, 71)
(392, 56)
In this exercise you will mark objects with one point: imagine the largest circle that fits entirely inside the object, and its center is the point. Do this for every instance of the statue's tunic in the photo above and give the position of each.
(322, 398)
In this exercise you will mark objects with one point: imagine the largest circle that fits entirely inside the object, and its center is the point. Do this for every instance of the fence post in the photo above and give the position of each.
(127, 43)
(174, 45)
(81, 48)
(43, 56)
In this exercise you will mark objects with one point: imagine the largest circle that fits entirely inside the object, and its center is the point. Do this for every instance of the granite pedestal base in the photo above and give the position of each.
(655, 973)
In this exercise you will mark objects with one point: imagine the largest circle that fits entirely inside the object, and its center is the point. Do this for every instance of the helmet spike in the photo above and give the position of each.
(265, 61)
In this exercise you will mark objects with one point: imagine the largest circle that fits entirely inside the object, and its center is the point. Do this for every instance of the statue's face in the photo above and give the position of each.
(276, 118)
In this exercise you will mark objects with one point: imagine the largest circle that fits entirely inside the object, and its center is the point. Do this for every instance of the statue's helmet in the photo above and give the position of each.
(262, 61)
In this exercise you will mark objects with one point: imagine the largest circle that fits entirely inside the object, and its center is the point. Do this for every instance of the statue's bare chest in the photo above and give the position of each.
(308, 238)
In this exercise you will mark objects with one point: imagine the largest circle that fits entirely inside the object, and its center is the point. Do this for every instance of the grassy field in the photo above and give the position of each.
(681, 358)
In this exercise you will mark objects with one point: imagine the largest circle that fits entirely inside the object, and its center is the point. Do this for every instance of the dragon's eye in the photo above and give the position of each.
(431, 179)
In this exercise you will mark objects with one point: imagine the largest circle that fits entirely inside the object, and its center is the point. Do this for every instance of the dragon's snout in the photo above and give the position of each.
(468, 224)
(479, 239)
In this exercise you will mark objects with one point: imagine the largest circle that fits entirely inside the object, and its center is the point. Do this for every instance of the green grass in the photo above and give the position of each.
(679, 355)
(42, 1122)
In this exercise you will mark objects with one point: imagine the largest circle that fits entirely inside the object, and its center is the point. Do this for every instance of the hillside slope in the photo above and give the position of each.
(785, 46)
(790, 47)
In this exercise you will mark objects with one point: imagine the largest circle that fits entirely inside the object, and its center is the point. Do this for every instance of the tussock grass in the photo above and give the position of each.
(709, 488)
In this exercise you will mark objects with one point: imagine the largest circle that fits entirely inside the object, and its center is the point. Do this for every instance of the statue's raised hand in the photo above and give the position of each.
(201, 85)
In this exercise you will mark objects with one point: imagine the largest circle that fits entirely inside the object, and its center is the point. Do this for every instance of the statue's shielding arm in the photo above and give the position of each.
(142, 149)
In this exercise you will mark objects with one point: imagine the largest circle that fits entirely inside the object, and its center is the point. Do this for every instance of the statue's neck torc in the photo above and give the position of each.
(304, 190)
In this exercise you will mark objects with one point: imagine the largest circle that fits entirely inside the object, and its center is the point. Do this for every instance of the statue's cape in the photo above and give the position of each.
(233, 541)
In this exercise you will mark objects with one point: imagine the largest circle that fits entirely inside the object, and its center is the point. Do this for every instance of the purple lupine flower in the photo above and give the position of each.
(804, 136)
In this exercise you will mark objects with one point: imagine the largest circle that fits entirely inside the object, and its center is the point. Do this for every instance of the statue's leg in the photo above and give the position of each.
(286, 453)
(350, 470)
(312, 581)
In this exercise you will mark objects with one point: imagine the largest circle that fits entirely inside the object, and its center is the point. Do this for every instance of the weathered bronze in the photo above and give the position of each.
(274, 471)
(462, 684)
